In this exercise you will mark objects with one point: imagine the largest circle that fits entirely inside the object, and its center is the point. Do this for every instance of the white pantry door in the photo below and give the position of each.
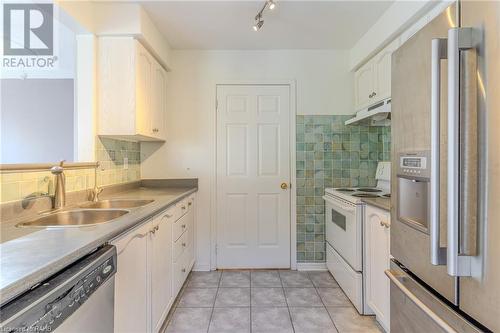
(253, 160)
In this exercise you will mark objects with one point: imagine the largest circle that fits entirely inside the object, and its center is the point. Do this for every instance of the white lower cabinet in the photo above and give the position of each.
(161, 269)
(377, 247)
(152, 266)
(132, 281)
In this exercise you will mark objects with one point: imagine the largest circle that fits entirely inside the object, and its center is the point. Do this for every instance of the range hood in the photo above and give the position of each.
(378, 114)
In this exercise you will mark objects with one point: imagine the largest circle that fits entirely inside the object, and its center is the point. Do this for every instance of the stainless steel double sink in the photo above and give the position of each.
(87, 214)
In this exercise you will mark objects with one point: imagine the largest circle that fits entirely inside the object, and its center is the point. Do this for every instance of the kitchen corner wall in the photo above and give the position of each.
(331, 154)
(110, 154)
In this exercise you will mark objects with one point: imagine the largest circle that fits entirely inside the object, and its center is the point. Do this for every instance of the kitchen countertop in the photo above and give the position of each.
(383, 203)
(37, 254)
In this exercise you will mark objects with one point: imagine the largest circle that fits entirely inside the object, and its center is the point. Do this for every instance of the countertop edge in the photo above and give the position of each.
(385, 206)
(25, 283)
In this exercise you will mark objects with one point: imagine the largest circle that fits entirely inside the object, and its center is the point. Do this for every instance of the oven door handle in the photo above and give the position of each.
(439, 52)
(338, 203)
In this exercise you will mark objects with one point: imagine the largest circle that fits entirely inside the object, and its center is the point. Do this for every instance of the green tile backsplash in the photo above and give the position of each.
(331, 154)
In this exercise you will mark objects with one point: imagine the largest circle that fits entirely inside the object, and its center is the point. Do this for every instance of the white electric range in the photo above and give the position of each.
(344, 219)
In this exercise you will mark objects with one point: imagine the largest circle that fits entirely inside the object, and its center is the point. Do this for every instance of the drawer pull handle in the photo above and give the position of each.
(168, 215)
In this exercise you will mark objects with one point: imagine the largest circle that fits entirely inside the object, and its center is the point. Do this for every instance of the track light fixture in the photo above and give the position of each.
(259, 21)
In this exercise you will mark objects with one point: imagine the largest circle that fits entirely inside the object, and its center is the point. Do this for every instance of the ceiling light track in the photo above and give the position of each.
(259, 21)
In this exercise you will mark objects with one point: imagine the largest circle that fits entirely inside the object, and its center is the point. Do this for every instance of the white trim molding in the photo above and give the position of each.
(311, 266)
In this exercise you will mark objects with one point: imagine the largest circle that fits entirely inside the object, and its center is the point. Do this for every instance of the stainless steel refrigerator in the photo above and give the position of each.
(445, 232)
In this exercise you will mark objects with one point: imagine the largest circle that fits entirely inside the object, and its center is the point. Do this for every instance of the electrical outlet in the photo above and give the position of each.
(125, 163)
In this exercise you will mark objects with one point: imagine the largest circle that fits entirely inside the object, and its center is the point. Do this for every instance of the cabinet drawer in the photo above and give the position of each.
(349, 280)
(179, 227)
(182, 268)
(180, 245)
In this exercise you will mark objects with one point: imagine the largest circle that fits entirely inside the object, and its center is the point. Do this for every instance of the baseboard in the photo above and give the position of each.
(201, 267)
(311, 266)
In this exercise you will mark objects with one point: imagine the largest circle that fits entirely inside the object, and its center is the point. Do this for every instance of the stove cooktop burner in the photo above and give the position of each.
(345, 189)
(368, 189)
(365, 195)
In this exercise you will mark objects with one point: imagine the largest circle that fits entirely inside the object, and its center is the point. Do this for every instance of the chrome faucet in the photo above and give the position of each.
(60, 186)
(96, 190)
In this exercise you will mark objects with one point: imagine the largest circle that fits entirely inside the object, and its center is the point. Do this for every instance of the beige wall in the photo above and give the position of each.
(323, 84)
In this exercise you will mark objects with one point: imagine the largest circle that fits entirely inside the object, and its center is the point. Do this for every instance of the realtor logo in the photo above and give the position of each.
(28, 29)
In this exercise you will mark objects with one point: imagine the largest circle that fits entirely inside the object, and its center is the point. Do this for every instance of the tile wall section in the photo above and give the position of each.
(110, 154)
(331, 154)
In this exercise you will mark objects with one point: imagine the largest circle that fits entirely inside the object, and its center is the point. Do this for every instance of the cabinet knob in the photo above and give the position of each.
(183, 270)
(384, 224)
(183, 226)
(190, 203)
(184, 244)
(183, 207)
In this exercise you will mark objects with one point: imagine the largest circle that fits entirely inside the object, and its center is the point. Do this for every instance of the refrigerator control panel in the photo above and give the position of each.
(414, 164)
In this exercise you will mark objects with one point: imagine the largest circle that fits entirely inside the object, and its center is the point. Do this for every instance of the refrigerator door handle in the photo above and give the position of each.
(439, 52)
(462, 158)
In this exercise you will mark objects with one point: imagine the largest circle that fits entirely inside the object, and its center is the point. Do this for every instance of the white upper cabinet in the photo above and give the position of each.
(363, 81)
(131, 90)
(382, 72)
(372, 81)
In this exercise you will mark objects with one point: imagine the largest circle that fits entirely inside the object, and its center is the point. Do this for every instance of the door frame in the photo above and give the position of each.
(291, 83)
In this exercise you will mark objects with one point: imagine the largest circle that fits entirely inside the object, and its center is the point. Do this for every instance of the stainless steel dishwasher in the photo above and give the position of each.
(80, 298)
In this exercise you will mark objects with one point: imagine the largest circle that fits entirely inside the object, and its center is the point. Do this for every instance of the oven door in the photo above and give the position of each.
(343, 230)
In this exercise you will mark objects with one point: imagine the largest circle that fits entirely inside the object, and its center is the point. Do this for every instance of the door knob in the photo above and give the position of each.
(284, 186)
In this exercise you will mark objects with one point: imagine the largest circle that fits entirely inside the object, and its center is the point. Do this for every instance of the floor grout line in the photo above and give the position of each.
(213, 305)
(324, 306)
(286, 302)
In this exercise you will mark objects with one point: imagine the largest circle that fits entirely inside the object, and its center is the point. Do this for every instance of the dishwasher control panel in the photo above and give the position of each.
(46, 306)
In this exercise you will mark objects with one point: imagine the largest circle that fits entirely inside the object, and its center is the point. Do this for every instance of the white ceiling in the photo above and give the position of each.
(292, 25)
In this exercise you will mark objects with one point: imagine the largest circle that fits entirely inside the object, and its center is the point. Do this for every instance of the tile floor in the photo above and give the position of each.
(265, 302)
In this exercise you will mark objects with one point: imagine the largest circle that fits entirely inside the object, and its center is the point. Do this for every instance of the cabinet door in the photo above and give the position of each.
(159, 106)
(363, 86)
(382, 72)
(131, 282)
(117, 86)
(377, 261)
(144, 72)
(161, 270)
